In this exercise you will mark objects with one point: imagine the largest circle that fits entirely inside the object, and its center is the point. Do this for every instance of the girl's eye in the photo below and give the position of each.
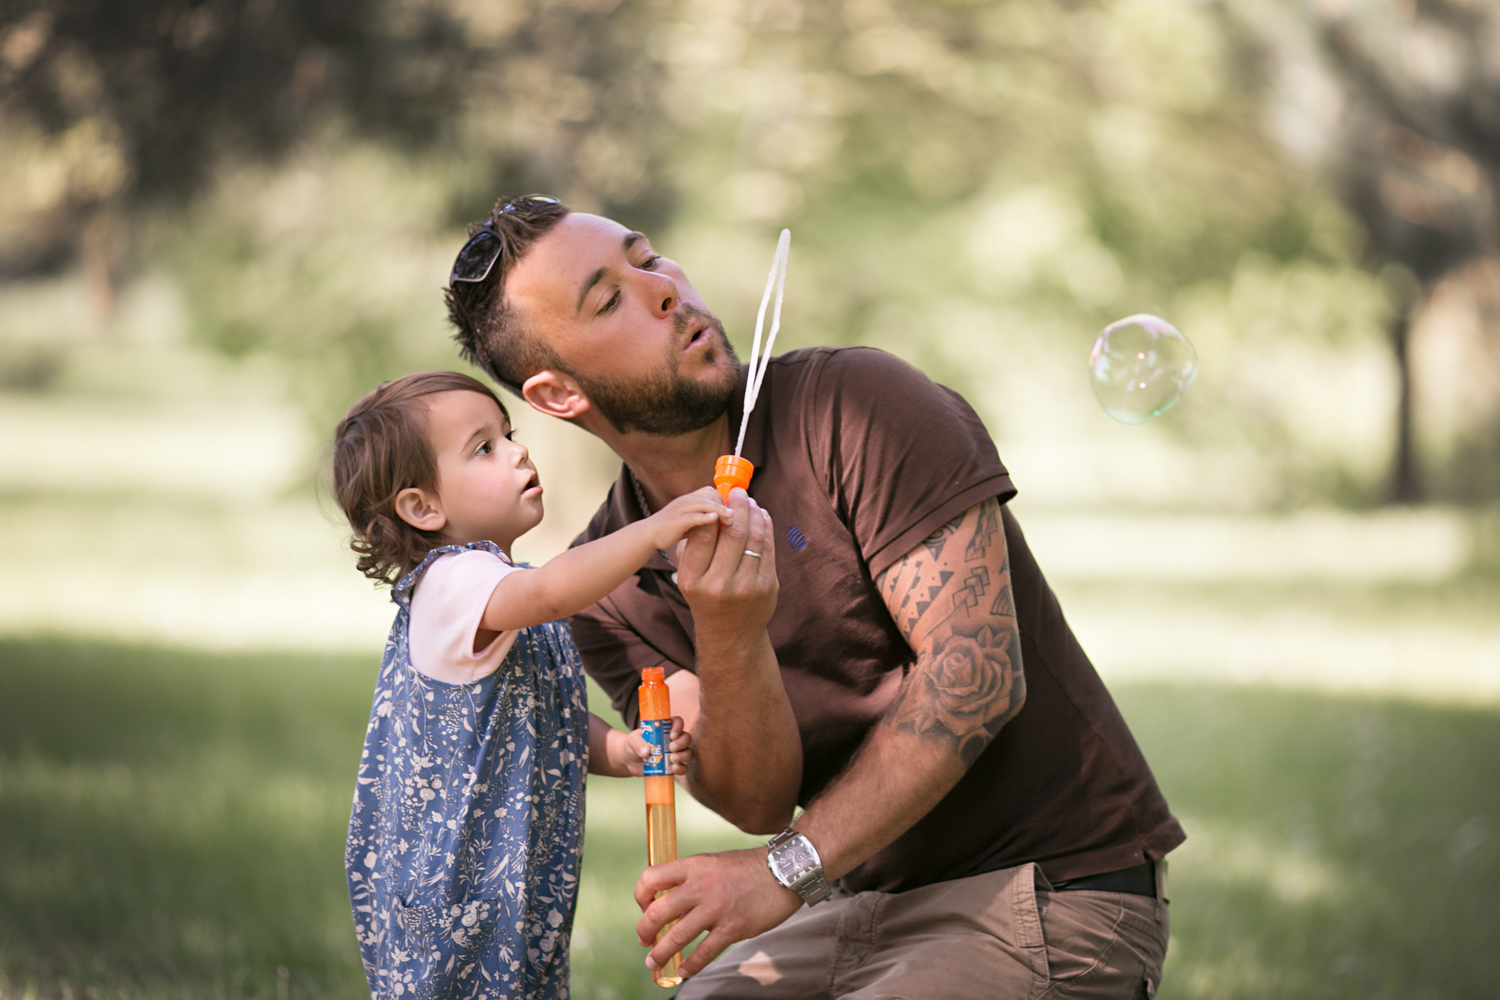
(484, 448)
(510, 435)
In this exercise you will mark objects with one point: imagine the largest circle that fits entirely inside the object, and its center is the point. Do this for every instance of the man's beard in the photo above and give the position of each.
(668, 404)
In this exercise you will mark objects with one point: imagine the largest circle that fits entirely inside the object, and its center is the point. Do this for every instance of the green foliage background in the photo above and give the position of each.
(221, 221)
(976, 186)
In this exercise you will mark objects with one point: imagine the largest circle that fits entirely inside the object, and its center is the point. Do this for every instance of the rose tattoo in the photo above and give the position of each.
(966, 692)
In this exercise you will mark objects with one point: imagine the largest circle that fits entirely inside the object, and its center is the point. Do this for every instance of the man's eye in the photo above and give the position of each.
(649, 264)
(610, 302)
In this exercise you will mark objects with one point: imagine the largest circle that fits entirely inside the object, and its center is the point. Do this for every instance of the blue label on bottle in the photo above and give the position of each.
(657, 732)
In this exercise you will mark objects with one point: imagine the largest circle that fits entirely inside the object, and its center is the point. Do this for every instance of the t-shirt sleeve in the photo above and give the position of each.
(446, 609)
(904, 455)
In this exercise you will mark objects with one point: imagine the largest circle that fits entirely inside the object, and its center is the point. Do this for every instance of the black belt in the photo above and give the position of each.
(1140, 881)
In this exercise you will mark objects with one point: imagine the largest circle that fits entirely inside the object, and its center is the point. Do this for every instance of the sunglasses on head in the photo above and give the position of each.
(478, 256)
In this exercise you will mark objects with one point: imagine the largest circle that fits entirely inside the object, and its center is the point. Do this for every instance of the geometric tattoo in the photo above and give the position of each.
(967, 680)
(988, 528)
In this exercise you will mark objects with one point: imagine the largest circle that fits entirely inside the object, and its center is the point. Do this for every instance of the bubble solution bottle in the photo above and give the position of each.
(661, 802)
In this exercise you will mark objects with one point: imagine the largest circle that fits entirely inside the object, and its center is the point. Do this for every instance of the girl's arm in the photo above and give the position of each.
(580, 576)
(619, 755)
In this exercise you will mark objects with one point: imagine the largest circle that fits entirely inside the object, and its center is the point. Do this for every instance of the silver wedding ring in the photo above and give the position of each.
(755, 554)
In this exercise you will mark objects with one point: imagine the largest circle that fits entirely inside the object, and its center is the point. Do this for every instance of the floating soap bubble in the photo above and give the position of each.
(1140, 366)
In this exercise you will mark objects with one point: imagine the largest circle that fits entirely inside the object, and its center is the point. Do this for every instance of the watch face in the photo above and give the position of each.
(792, 859)
(798, 857)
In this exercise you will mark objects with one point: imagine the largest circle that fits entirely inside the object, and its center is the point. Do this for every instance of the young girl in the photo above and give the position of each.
(467, 826)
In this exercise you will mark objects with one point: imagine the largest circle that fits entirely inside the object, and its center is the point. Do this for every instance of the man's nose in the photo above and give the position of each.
(663, 294)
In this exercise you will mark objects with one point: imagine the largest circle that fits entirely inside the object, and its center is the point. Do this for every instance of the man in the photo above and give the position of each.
(907, 677)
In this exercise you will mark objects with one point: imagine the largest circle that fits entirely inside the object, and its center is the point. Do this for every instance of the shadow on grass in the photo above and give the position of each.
(1338, 846)
(171, 823)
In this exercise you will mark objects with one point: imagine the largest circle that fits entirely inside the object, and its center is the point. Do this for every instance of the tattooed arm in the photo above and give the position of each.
(951, 597)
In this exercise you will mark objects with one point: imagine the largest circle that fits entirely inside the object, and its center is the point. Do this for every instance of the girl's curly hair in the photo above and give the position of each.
(379, 449)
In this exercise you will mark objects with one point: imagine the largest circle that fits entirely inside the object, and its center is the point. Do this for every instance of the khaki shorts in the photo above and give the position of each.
(998, 936)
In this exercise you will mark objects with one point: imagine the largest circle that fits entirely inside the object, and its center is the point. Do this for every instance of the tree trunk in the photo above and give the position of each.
(1406, 485)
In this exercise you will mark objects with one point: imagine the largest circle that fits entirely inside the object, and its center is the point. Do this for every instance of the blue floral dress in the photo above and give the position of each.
(467, 827)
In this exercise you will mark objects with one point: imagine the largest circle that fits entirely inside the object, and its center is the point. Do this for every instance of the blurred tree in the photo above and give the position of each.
(976, 185)
(136, 101)
(1406, 95)
(112, 106)
(1422, 157)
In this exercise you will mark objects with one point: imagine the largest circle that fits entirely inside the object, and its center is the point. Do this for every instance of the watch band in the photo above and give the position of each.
(804, 878)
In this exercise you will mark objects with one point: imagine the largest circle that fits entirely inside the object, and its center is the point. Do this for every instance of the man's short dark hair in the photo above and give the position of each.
(489, 334)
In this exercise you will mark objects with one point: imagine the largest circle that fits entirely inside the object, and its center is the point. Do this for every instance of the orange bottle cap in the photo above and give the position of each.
(655, 696)
(731, 471)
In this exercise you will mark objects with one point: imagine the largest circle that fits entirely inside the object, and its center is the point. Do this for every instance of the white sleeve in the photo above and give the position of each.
(446, 609)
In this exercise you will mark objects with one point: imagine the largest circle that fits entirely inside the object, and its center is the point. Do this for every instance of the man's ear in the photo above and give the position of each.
(420, 509)
(556, 394)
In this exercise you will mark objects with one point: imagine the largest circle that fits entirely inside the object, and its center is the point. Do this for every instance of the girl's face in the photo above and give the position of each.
(487, 488)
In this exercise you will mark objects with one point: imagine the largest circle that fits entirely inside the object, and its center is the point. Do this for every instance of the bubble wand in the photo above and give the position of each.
(661, 800)
(732, 470)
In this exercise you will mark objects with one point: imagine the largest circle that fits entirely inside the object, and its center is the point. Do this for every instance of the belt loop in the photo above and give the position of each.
(1160, 866)
(1027, 919)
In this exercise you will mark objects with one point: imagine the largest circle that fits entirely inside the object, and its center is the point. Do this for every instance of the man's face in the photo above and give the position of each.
(627, 325)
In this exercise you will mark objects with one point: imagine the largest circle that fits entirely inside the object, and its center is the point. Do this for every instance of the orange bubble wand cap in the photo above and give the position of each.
(731, 471)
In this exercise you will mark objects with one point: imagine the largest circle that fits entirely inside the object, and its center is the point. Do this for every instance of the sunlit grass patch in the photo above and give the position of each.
(1436, 641)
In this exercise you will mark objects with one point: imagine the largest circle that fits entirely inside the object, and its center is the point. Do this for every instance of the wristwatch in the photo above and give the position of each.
(795, 863)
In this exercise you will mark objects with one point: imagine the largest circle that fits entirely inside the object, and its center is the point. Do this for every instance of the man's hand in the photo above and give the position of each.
(727, 573)
(732, 895)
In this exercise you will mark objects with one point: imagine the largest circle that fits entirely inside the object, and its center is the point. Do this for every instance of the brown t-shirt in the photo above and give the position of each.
(859, 457)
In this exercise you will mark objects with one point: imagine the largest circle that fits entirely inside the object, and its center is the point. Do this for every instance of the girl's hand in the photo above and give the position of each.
(679, 750)
(668, 525)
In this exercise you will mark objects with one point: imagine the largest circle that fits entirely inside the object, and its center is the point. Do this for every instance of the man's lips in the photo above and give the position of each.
(700, 336)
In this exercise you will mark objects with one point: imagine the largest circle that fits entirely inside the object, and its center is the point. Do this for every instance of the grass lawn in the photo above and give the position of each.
(171, 825)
